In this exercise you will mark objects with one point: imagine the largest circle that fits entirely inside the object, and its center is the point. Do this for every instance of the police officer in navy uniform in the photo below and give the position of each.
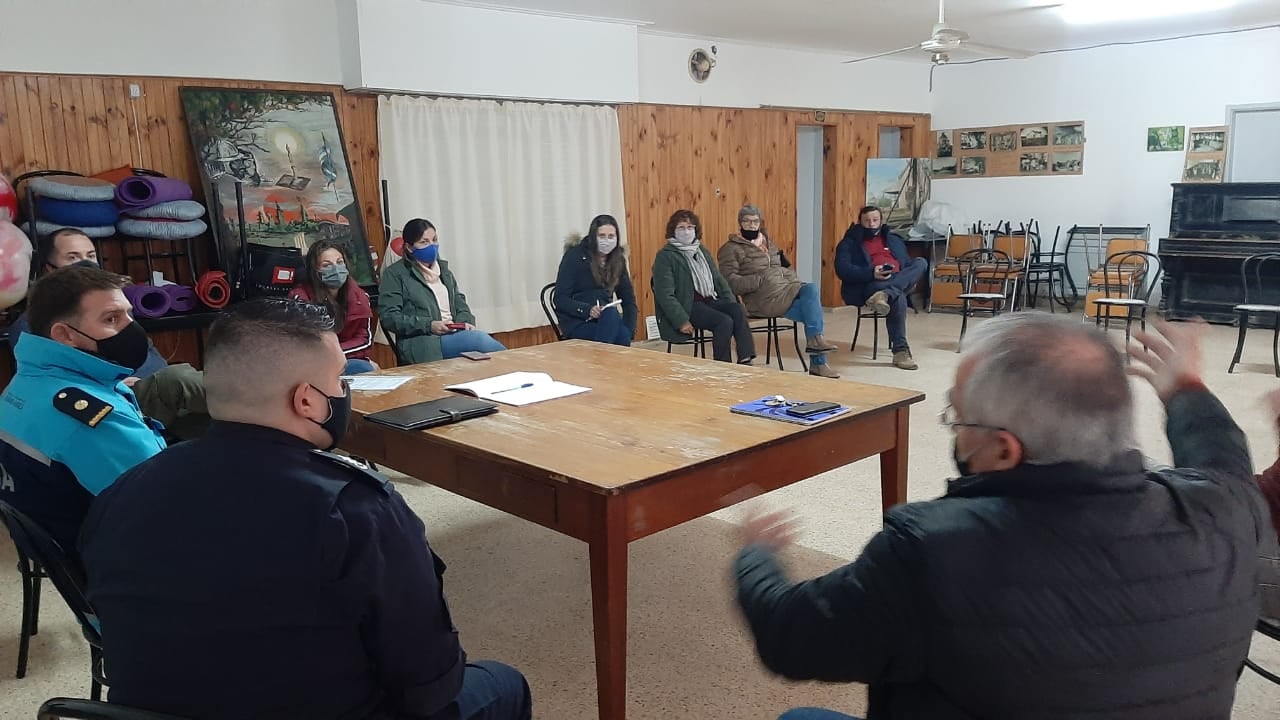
(69, 423)
(252, 574)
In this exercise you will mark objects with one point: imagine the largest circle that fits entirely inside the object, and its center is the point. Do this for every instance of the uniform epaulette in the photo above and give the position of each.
(82, 406)
(356, 470)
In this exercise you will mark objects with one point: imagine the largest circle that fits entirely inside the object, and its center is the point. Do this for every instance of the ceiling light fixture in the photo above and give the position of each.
(1093, 12)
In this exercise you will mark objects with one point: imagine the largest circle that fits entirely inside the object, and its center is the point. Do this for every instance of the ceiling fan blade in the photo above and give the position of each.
(883, 54)
(1013, 12)
(997, 51)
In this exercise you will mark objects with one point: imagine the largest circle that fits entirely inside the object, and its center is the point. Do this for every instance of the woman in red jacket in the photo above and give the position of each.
(326, 281)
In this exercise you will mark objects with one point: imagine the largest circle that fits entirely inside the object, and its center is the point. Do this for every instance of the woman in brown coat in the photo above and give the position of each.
(769, 287)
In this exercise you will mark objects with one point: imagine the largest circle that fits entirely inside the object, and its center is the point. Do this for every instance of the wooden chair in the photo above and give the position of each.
(1129, 279)
(547, 298)
(1017, 245)
(1254, 305)
(987, 276)
(1101, 274)
(945, 279)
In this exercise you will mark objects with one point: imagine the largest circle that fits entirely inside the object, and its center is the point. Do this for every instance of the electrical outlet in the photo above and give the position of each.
(135, 91)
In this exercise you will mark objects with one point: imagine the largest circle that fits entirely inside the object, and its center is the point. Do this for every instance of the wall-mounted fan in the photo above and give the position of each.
(700, 64)
(946, 39)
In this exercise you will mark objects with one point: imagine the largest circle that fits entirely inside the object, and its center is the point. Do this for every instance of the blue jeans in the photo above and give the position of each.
(608, 329)
(807, 309)
(814, 714)
(355, 366)
(493, 691)
(896, 289)
(456, 343)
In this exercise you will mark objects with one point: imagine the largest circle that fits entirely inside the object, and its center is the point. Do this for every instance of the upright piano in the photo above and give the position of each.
(1212, 229)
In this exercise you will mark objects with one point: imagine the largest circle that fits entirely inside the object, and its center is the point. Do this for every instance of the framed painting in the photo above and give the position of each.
(285, 150)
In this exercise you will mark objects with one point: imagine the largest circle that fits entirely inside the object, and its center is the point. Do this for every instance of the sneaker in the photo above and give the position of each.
(902, 359)
(819, 344)
(878, 303)
(823, 371)
(747, 361)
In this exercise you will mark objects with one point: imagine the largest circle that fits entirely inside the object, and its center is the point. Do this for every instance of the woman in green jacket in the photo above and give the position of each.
(690, 292)
(419, 302)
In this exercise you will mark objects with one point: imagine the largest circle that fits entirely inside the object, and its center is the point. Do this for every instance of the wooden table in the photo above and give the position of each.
(653, 445)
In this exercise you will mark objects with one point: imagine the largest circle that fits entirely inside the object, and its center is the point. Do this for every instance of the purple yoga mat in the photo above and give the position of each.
(141, 191)
(182, 298)
(148, 301)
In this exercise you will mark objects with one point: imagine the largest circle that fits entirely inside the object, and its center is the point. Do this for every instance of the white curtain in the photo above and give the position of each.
(504, 184)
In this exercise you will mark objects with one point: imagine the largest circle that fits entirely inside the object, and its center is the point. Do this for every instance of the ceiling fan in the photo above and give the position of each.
(947, 39)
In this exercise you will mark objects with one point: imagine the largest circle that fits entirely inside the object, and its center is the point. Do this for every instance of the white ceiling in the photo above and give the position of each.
(858, 27)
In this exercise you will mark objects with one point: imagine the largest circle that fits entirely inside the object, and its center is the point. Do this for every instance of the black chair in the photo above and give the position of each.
(1250, 307)
(1049, 267)
(391, 340)
(772, 329)
(1128, 279)
(31, 574)
(701, 339)
(1271, 629)
(66, 575)
(875, 330)
(547, 298)
(982, 271)
(77, 709)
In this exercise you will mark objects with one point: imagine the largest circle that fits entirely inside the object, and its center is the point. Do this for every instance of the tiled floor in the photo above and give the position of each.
(520, 593)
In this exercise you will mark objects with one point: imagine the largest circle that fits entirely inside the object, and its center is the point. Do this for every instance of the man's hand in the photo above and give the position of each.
(687, 328)
(439, 327)
(882, 274)
(1171, 358)
(773, 531)
(130, 381)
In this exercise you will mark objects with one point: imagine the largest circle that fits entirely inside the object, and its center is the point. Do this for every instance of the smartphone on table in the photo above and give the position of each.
(810, 409)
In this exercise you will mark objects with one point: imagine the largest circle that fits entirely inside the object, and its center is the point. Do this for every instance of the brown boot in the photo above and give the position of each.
(823, 371)
(878, 303)
(902, 359)
(819, 344)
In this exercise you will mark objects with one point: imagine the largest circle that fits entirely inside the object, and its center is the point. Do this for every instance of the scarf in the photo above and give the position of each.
(431, 274)
(703, 283)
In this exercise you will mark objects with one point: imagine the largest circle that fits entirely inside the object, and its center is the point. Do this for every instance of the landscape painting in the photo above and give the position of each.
(1164, 139)
(285, 150)
(899, 187)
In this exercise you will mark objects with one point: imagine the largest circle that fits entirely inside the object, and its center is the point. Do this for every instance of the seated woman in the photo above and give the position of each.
(769, 287)
(419, 303)
(690, 292)
(593, 275)
(326, 281)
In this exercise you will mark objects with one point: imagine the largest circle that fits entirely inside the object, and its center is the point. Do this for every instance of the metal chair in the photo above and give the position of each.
(391, 340)
(547, 298)
(1129, 278)
(982, 271)
(772, 329)
(31, 574)
(700, 341)
(67, 576)
(875, 330)
(77, 709)
(1253, 296)
(1271, 629)
(1049, 267)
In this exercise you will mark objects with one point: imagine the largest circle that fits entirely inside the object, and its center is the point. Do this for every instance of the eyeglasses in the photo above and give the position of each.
(948, 418)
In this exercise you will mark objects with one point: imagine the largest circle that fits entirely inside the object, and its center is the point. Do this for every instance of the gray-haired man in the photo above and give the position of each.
(1056, 578)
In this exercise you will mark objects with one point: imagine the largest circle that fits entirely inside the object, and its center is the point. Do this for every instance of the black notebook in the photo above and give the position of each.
(431, 413)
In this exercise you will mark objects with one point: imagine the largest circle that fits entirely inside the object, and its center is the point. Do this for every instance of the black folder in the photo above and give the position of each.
(432, 413)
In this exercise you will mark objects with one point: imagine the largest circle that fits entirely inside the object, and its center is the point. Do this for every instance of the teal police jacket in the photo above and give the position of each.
(68, 428)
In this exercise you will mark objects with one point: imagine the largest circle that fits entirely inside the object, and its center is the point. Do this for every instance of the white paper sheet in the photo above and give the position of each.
(375, 383)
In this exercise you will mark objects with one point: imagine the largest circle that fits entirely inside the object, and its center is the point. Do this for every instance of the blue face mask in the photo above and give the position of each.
(426, 255)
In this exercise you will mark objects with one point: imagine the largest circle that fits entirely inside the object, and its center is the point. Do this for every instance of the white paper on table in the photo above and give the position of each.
(373, 383)
(518, 388)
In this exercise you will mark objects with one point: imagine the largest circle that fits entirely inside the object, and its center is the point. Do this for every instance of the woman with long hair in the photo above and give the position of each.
(689, 292)
(327, 281)
(594, 298)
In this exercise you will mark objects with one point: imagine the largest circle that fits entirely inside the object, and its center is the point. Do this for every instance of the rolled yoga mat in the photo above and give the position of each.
(213, 289)
(182, 298)
(141, 191)
(72, 187)
(77, 212)
(148, 301)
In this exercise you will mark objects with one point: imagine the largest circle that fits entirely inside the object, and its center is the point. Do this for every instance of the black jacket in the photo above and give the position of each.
(1045, 592)
(577, 291)
(245, 575)
(853, 262)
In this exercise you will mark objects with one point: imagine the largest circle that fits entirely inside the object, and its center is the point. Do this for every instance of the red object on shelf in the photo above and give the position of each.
(8, 201)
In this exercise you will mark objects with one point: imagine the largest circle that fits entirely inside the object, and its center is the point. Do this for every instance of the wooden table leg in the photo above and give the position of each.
(893, 462)
(609, 607)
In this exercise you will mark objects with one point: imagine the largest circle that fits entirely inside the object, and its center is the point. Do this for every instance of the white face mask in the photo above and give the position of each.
(606, 244)
(685, 236)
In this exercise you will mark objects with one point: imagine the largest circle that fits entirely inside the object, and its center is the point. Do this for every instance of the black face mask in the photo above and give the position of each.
(127, 348)
(79, 263)
(962, 466)
(750, 234)
(339, 415)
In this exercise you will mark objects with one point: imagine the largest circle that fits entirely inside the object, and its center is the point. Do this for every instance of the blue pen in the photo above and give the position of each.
(526, 385)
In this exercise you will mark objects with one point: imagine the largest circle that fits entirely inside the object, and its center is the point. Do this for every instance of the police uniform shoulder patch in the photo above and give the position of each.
(82, 406)
(355, 470)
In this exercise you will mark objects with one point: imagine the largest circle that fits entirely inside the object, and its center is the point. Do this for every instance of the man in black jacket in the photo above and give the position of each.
(1056, 578)
(252, 574)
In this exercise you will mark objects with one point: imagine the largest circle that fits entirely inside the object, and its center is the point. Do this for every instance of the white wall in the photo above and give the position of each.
(752, 75)
(1118, 92)
(280, 40)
